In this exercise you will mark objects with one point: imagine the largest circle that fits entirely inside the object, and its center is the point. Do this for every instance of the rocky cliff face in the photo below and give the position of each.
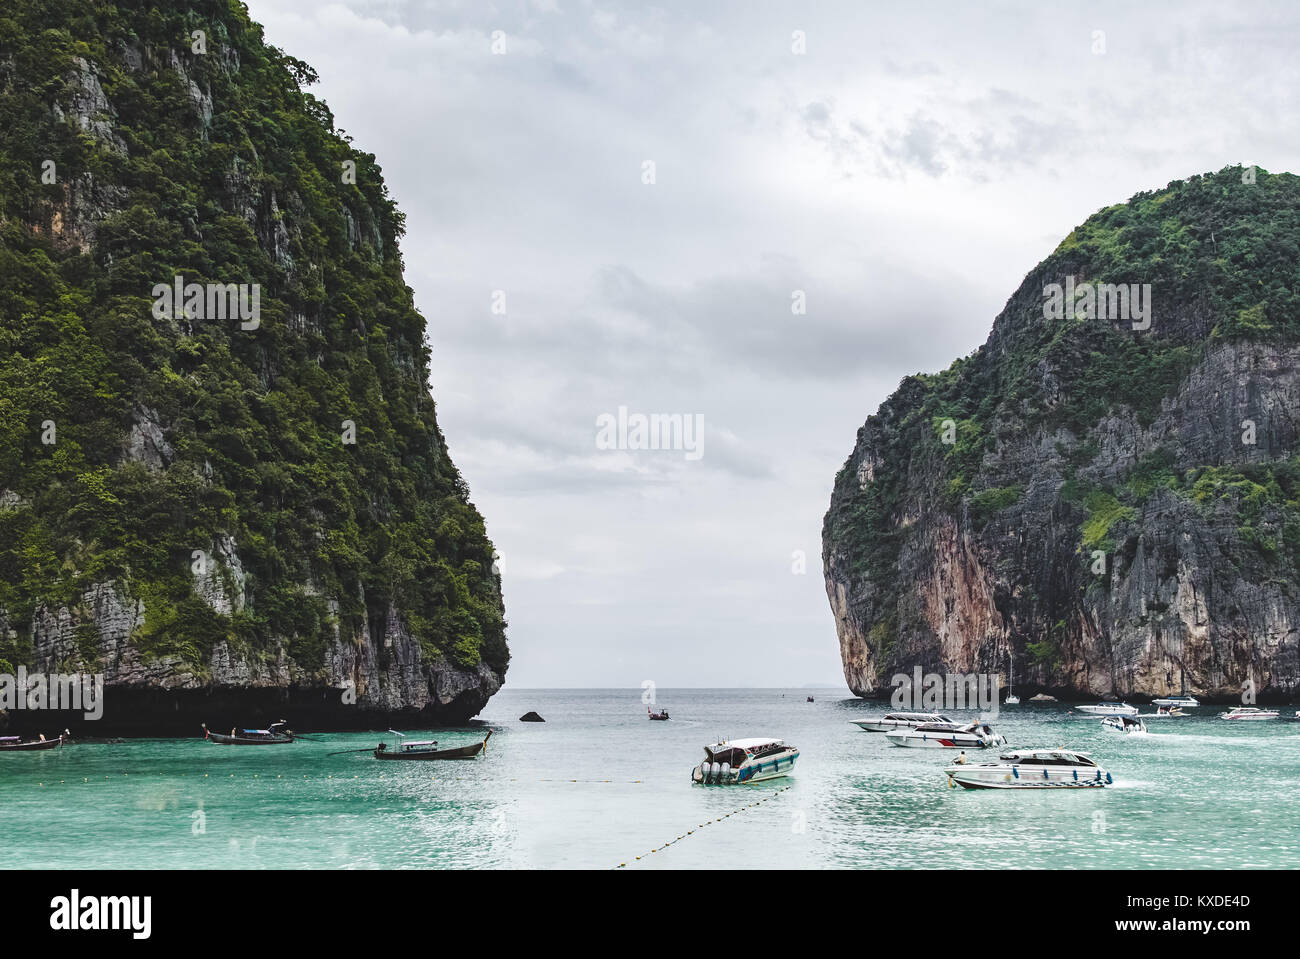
(1117, 509)
(230, 520)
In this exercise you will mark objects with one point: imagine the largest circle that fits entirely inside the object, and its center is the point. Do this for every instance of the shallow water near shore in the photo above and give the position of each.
(598, 785)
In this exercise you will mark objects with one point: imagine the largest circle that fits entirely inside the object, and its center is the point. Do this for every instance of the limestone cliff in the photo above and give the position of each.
(1112, 501)
(234, 509)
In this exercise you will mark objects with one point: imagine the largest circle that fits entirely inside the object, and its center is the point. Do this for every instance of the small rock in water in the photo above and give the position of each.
(531, 718)
(1043, 698)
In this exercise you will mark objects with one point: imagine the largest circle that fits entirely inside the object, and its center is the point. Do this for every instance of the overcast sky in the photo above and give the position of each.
(905, 171)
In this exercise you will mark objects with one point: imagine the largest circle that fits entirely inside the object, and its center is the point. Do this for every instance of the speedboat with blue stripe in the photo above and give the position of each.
(745, 761)
(1031, 769)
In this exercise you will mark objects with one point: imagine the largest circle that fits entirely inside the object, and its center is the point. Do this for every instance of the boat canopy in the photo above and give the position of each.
(1049, 756)
(754, 743)
(256, 732)
(419, 742)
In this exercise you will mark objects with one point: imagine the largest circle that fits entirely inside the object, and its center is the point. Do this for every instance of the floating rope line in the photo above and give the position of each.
(626, 782)
(691, 832)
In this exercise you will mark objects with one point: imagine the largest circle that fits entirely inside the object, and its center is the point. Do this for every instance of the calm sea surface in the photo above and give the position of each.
(598, 785)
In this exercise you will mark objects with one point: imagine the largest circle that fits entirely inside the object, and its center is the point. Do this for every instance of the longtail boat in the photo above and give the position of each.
(277, 733)
(427, 749)
(660, 716)
(17, 744)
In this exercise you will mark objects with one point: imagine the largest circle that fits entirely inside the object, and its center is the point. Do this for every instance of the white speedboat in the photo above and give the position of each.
(745, 761)
(900, 721)
(1186, 702)
(1129, 725)
(1248, 713)
(1030, 769)
(1109, 709)
(947, 736)
(1165, 712)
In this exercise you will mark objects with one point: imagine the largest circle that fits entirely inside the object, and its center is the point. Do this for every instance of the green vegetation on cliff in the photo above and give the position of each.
(219, 167)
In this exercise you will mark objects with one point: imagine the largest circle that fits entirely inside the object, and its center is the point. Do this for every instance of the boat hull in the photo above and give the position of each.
(34, 746)
(914, 740)
(222, 739)
(463, 752)
(1008, 777)
(459, 752)
(874, 726)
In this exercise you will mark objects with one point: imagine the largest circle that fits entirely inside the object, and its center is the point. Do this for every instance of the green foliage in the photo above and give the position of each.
(883, 637)
(1104, 511)
(1153, 471)
(987, 503)
(1234, 243)
(253, 419)
(1264, 499)
(1046, 652)
(1249, 323)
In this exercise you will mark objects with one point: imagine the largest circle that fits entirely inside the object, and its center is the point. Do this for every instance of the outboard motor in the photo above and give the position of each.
(716, 771)
(725, 772)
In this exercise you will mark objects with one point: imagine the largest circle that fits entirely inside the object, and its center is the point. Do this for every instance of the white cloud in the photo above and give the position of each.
(906, 172)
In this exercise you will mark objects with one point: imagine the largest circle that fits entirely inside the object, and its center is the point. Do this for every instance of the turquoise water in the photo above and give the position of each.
(598, 785)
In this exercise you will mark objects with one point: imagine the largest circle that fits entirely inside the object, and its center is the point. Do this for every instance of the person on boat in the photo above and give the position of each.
(961, 759)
